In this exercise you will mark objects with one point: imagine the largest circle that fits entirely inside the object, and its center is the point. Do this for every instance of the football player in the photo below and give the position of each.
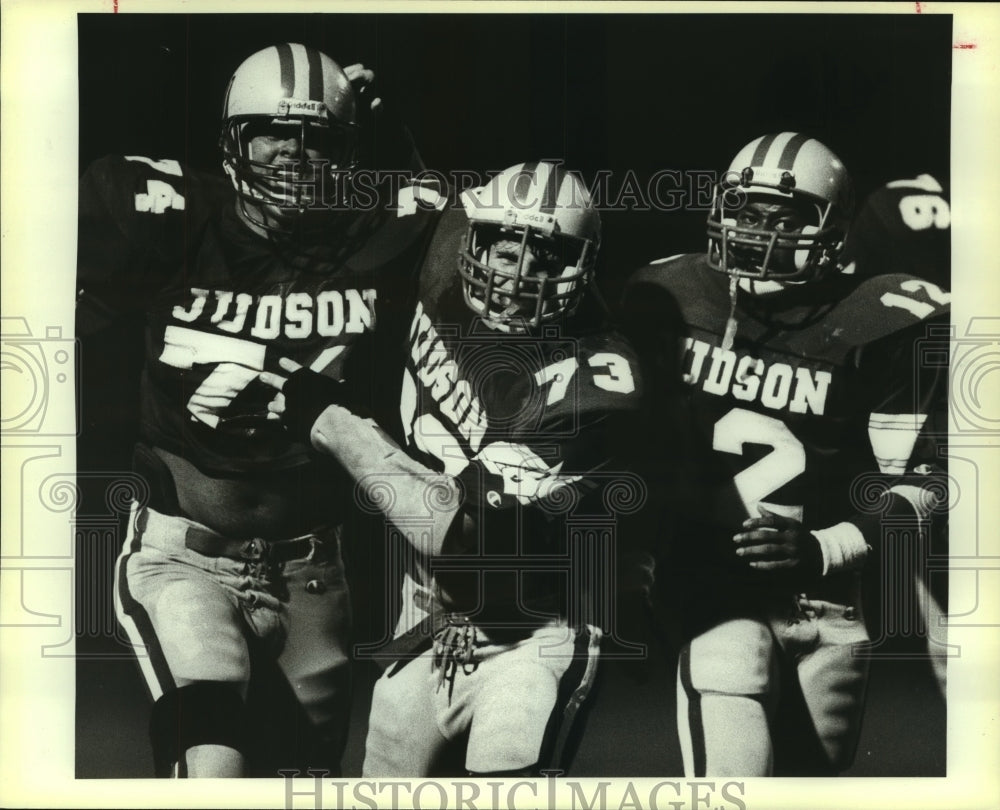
(235, 555)
(905, 227)
(516, 407)
(808, 408)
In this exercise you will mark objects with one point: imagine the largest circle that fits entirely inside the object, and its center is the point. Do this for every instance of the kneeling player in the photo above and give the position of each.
(516, 404)
(808, 407)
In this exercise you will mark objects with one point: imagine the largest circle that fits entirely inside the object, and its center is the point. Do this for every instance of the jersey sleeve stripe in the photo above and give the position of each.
(892, 438)
(907, 421)
(891, 466)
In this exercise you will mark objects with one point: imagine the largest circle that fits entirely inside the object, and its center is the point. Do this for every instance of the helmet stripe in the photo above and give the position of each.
(791, 151)
(551, 193)
(287, 65)
(522, 184)
(315, 75)
(761, 151)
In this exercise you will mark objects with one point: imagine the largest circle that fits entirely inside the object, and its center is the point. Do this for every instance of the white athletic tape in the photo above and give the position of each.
(843, 547)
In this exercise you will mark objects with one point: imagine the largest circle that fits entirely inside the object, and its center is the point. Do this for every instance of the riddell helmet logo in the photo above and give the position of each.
(295, 106)
(544, 222)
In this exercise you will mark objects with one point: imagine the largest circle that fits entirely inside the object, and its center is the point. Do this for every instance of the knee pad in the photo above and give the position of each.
(207, 713)
(736, 657)
(723, 721)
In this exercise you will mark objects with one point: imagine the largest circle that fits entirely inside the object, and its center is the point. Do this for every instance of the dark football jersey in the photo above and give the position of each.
(534, 426)
(222, 304)
(821, 386)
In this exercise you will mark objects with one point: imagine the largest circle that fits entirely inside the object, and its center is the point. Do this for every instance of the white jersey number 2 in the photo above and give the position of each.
(785, 462)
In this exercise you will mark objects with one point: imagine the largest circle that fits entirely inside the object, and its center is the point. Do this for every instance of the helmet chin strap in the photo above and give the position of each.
(730, 334)
(756, 287)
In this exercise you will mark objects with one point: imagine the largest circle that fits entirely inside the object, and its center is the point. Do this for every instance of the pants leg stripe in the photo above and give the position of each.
(562, 735)
(695, 723)
(136, 622)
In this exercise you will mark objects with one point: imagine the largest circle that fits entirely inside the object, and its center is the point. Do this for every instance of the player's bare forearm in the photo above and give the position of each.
(387, 476)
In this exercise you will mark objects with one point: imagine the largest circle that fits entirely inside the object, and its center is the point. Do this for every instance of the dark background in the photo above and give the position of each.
(601, 92)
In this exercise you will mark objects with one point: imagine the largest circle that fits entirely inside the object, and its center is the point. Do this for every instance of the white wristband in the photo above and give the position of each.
(843, 547)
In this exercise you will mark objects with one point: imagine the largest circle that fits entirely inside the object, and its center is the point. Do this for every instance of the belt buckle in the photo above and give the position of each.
(806, 608)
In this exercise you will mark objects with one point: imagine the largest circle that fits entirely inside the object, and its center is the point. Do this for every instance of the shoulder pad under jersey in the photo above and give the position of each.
(398, 232)
(439, 277)
(143, 185)
(680, 286)
(421, 196)
(600, 376)
(661, 271)
(149, 199)
(883, 305)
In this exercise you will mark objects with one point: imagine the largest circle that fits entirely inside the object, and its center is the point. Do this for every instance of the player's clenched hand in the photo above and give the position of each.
(276, 407)
(302, 396)
(363, 80)
(776, 543)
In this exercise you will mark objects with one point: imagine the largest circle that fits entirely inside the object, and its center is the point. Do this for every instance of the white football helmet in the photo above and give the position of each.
(788, 169)
(296, 86)
(548, 212)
